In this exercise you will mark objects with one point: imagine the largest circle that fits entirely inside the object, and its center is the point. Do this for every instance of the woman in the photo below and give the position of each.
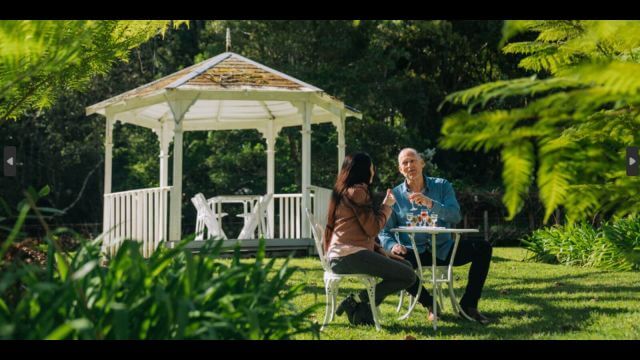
(353, 224)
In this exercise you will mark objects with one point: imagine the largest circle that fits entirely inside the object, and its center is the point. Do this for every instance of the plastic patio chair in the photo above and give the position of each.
(206, 218)
(332, 280)
(256, 219)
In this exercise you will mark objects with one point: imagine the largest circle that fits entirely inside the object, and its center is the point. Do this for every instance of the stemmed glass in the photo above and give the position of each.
(410, 219)
(424, 216)
(434, 219)
(413, 206)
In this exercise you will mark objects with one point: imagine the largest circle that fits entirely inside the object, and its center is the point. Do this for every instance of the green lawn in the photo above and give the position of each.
(531, 301)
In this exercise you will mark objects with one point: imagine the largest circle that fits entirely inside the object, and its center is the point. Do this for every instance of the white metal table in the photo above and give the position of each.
(412, 230)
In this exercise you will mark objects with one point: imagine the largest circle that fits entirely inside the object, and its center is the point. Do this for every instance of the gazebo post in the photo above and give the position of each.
(306, 163)
(175, 205)
(270, 134)
(178, 109)
(164, 136)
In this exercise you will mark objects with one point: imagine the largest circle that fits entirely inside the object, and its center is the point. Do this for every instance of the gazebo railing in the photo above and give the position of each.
(288, 209)
(139, 215)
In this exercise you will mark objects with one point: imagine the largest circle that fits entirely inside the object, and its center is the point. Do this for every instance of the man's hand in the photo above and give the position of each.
(398, 249)
(421, 199)
(389, 255)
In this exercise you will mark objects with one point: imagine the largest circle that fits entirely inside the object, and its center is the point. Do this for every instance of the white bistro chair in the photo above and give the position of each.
(332, 280)
(256, 219)
(206, 218)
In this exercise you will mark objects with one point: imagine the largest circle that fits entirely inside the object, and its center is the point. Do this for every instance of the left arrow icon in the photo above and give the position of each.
(9, 160)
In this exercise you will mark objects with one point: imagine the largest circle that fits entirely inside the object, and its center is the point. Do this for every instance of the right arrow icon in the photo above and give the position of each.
(632, 161)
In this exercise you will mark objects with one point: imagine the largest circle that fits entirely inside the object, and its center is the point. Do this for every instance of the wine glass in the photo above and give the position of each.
(434, 219)
(413, 206)
(410, 218)
(424, 216)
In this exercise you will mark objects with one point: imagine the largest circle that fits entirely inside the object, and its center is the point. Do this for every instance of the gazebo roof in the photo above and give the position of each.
(227, 91)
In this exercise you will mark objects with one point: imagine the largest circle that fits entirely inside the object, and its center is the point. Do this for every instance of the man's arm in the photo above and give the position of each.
(387, 238)
(449, 209)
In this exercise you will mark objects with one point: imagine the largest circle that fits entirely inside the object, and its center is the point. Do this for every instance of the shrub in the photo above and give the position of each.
(174, 294)
(614, 246)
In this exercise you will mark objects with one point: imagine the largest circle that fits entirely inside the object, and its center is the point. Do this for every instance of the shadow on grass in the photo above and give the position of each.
(547, 314)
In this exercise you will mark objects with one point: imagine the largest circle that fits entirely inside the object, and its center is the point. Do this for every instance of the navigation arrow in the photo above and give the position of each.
(10, 161)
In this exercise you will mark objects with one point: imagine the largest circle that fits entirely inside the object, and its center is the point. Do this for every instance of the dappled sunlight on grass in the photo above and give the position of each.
(530, 301)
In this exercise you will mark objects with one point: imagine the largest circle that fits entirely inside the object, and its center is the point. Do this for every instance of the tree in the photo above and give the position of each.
(571, 120)
(41, 59)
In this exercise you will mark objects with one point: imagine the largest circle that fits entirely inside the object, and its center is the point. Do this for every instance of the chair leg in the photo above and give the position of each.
(401, 300)
(371, 290)
(329, 308)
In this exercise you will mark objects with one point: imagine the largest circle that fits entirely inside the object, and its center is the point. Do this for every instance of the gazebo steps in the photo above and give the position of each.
(248, 247)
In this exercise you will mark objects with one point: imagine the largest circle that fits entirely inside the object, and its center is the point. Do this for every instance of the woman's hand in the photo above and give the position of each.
(389, 200)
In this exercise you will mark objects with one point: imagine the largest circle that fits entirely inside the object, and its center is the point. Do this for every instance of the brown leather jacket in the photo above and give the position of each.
(355, 225)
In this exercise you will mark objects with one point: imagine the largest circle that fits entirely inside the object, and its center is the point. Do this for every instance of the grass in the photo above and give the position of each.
(531, 301)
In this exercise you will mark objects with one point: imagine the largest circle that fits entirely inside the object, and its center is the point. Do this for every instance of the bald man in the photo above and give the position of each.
(438, 196)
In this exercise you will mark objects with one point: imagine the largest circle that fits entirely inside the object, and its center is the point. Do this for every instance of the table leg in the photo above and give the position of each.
(433, 281)
(415, 298)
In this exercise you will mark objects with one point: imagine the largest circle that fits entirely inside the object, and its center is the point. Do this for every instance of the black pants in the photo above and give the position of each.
(396, 275)
(474, 251)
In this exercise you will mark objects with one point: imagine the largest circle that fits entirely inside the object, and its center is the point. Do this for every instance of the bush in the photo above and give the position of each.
(615, 246)
(172, 295)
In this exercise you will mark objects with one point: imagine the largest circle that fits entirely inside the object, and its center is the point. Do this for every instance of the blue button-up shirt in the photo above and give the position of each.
(444, 204)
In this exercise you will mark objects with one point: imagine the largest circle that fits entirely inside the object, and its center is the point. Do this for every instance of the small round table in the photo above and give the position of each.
(412, 230)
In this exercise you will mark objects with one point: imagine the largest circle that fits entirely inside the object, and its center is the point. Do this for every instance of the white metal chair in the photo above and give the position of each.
(332, 280)
(256, 219)
(206, 218)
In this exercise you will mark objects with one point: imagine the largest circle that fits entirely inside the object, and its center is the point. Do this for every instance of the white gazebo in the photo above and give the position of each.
(225, 92)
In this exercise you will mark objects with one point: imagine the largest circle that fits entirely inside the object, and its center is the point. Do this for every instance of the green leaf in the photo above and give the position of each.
(62, 264)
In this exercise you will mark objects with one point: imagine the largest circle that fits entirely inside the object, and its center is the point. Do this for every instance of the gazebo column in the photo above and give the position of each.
(341, 145)
(270, 134)
(175, 210)
(164, 136)
(306, 164)
(178, 108)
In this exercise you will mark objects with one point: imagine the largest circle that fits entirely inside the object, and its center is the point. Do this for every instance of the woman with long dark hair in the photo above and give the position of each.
(350, 238)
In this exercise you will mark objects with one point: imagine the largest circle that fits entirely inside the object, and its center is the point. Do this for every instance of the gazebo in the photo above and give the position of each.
(225, 92)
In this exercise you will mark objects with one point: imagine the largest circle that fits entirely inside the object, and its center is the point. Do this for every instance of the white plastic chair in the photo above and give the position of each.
(332, 280)
(256, 219)
(206, 218)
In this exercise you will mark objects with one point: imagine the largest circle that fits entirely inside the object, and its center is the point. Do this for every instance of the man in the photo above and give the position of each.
(438, 196)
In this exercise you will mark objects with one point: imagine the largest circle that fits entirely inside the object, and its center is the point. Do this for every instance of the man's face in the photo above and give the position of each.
(410, 165)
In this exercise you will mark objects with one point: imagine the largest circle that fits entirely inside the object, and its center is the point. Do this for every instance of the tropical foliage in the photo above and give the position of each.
(564, 129)
(40, 59)
(171, 295)
(614, 246)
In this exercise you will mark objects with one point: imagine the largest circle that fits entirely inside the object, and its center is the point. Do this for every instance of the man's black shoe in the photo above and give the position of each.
(476, 315)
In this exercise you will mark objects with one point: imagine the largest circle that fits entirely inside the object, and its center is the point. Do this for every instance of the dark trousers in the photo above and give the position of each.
(475, 251)
(396, 275)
